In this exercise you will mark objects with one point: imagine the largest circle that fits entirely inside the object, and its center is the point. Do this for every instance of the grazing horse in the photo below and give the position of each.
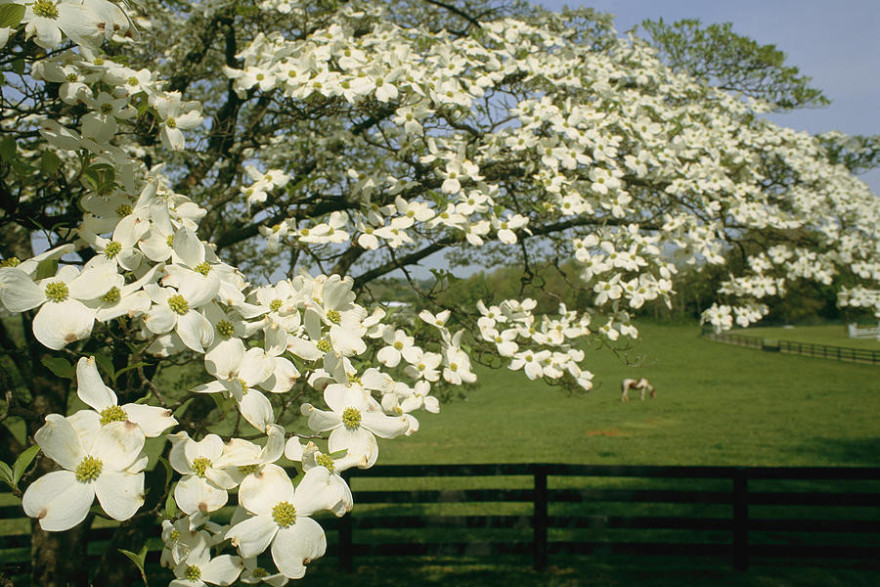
(641, 384)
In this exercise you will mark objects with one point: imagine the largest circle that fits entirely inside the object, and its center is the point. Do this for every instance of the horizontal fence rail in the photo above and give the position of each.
(799, 348)
(735, 512)
(537, 511)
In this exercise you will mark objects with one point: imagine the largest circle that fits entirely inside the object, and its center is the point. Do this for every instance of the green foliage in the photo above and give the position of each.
(732, 62)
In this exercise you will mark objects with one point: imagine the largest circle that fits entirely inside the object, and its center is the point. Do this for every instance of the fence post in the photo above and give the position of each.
(539, 518)
(740, 520)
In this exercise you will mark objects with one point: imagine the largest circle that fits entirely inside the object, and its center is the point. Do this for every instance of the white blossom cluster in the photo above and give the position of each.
(493, 138)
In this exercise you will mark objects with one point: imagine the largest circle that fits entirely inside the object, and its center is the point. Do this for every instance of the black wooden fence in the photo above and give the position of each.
(799, 348)
(539, 511)
(736, 512)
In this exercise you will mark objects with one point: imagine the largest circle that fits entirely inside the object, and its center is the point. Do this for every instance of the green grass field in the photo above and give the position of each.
(716, 404)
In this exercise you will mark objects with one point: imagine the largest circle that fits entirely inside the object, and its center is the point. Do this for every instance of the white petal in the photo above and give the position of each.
(118, 445)
(383, 426)
(256, 409)
(90, 387)
(298, 545)
(253, 536)
(195, 331)
(58, 500)
(121, 494)
(153, 420)
(260, 492)
(224, 359)
(18, 292)
(316, 492)
(188, 247)
(222, 570)
(60, 441)
(58, 324)
(194, 494)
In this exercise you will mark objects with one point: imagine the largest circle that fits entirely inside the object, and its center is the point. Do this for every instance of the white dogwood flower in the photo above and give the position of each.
(103, 461)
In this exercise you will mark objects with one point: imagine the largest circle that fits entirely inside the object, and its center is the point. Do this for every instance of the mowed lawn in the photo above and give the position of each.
(716, 404)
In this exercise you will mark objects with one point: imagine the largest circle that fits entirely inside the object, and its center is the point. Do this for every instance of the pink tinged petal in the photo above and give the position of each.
(256, 409)
(60, 441)
(297, 546)
(118, 445)
(263, 490)
(384, 426)
(18, 292)
(222, 570)
(153, 420)
(194, 494)
(195, 331)
(58, 324)
(253, 536)
(58, 500)
(121, 494)
(90, 387)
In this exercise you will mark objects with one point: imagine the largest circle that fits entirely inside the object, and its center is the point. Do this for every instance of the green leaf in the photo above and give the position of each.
(23, 462)
(6, 474)
(169, 472)
(7, 148)
(171, 511)
(11, 15)
(138, 559)
(129, 368)
(59, 367)
(18, 66)
(47, 268)
(49, 163)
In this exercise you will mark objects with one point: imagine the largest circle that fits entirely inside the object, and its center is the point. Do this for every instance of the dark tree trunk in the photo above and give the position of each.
(59, 558)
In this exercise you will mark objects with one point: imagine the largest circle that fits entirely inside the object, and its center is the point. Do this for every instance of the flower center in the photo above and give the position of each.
(351, 418)
(57, 291)
(204, 268)
(113, 414)
(260, 573)
(88, 469)
(112, 249)
(10, 262)
(124, 210)
(225, 328)
(171, 123)
(112, 296)
(398, 345)
(324, 345)
(275, 305)
(200, 465)
(284, 514)
(325, 461)
(45, 9)
(334, 316)
(174, 536)
(178, 305)
(192, 573)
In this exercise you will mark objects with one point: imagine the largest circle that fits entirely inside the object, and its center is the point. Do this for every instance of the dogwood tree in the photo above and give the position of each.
(196, 196)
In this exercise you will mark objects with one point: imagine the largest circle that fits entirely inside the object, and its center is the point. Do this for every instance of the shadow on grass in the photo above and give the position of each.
(862, 452)
(574, 571)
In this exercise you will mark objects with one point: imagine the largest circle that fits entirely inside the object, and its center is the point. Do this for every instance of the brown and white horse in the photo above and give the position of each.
(641, 384)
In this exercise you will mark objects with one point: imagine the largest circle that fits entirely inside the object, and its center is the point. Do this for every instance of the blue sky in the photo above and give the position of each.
(835, 43)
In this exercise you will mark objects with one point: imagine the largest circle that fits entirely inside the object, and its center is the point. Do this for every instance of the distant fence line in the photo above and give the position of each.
(540, 510)
(798, 348)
